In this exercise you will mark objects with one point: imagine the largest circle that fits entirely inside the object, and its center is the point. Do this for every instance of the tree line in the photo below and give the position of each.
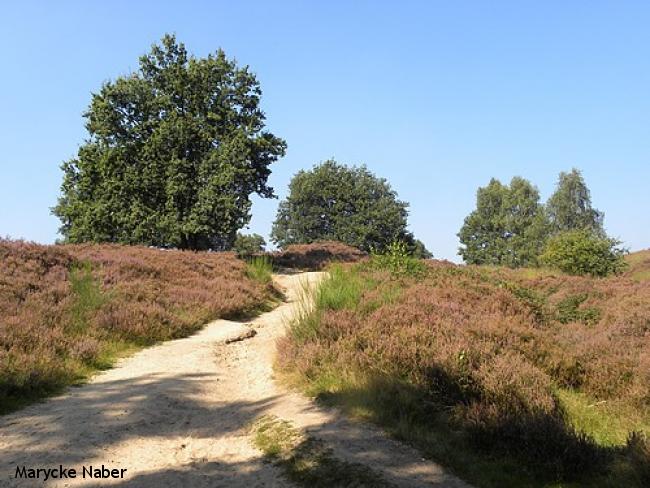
(511, 227)
(176, 149)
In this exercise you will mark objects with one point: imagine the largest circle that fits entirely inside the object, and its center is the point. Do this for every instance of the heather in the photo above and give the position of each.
(509, 377)
(66, 311)
(316, 256)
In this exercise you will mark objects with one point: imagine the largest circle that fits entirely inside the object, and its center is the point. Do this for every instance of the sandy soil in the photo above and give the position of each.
(177, 414)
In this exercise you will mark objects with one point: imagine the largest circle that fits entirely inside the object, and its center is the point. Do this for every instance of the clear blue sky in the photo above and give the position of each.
(435, 96)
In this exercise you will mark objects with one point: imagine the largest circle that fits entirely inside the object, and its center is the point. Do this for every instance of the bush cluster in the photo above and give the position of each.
(581, 252)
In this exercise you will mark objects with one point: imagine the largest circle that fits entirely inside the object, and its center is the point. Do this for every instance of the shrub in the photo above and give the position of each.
(248, 244)
(397, 260)
(581, 252)
(568, 310)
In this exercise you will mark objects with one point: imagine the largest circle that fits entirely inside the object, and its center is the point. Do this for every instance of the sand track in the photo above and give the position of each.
(177, 414)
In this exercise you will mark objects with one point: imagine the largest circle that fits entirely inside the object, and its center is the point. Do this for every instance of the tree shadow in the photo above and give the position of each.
(528, 448)
(85, 422)
(88, 425)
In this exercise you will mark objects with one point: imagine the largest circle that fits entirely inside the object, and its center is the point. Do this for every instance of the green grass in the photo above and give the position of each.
(88, 297)
(260, 269)
(608, 422)
(637, 262)
(306, 461)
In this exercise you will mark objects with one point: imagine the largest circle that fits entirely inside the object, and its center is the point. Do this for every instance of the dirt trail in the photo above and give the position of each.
(177, 415)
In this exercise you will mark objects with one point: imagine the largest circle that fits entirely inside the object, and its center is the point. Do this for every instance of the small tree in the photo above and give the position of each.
(248, 244)
(341, 203)
(508, 226)
(173, 154)
(569, 208)
(584, 252)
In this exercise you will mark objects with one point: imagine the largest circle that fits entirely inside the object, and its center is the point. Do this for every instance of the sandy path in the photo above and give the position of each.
(177, 414)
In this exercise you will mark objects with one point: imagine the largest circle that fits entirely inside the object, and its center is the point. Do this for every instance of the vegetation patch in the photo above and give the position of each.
(260, 269)
(489, 371)
(306, 461)
(316, 256)
(349, 204)
(67, 311)
(568, 310)
(638, 265)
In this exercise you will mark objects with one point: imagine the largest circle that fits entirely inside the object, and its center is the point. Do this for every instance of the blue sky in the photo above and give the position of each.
(435, 96)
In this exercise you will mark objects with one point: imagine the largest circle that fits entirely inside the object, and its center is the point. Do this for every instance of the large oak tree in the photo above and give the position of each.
(173, 154)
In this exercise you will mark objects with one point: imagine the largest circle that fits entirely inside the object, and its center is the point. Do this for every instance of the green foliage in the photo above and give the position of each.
(248, 244)
(508, 226)
(88, 298)
(397, 259)
(260, 269)
(418, 250)
(534, 300)
(581, 252)
(173, 154)
(341, 289)
(569, 208)
(341, 203)
(568, 310)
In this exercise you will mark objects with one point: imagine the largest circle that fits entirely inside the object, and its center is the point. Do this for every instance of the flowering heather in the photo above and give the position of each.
(317, 255)
(65, 310)
(476, 357)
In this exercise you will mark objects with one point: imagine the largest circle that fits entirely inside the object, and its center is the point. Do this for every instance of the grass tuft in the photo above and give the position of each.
(306, 461)
(260, 269)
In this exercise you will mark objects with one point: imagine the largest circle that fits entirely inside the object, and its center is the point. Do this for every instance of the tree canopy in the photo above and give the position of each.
(511, 227)
(248, 244)
(569, 208)
(333, 201)
(507, 227)
(173, 154)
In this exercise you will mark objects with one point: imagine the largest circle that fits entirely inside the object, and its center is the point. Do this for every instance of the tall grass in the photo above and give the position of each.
(88, 297)
(490, 372)
(260, 269)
